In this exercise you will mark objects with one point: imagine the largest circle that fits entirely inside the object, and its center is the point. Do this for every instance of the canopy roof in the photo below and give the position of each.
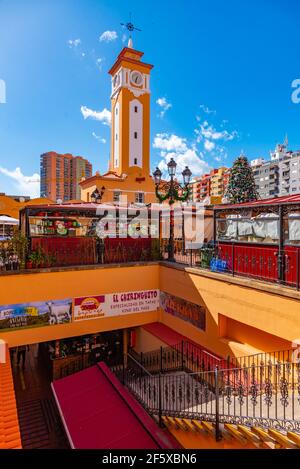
(4, 220)
(285, 200)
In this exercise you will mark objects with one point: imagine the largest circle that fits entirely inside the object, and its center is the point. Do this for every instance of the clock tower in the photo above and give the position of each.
(130, 111)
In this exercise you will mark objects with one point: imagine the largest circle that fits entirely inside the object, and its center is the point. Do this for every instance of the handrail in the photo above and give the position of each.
(140, 365)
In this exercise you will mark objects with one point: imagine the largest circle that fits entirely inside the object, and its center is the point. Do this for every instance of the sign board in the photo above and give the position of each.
(115, 304)
(40, 313)
(190, 312)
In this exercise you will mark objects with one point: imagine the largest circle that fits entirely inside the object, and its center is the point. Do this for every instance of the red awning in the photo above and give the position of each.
(171, 337)
(98, 412)
(286, 199)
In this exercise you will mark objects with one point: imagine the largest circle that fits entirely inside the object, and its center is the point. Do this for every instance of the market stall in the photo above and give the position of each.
(71, 234)
(261, 239)
(66, 356)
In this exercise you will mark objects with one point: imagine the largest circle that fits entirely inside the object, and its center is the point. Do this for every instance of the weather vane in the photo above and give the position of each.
(130, 26)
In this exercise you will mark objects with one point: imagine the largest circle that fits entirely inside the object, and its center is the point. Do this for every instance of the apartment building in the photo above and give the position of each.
(280, 175)
(266, 177)
(289, 174)
(217, 186)
(213, 184)
(61, 174)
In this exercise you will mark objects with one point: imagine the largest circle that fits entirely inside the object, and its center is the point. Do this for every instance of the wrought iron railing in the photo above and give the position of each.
(267, 263)
(190, 357)
(267, 396)
(184, 356)
(85, 361)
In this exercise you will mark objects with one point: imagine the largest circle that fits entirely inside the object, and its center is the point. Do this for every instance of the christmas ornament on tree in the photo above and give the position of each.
(241, 186)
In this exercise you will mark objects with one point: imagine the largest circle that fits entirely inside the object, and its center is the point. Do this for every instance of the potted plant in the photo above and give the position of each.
(19, 244)
(156, 253)
(28, 263)
(33, 259)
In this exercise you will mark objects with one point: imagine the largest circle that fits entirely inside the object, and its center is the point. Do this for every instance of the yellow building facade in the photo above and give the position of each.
(217, 181)
(129, 165)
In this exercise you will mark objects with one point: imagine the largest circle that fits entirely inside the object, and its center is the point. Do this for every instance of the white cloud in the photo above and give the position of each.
(74, 42)
(208, 145)
(24, 185)
(173, 146)
(209, 132)
(124, 37)
(169, 142)
(206, 109)
(108, 36)
(103, 116)
(97, 137)
(164, 105)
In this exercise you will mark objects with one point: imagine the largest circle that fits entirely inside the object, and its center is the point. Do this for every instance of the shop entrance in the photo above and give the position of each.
(66, 356)
(35, 366)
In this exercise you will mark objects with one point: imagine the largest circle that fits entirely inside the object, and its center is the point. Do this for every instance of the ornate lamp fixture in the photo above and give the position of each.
(171, 190)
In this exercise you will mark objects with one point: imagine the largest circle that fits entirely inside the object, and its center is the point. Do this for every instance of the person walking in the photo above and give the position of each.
(21, 353)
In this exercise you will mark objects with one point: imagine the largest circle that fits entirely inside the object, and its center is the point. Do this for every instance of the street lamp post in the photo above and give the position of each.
(171, 191)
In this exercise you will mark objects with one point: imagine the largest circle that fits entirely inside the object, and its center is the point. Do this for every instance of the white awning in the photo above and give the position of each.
(4, 220)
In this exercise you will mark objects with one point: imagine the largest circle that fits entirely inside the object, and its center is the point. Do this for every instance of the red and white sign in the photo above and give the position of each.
(115, 304)
(90, 307)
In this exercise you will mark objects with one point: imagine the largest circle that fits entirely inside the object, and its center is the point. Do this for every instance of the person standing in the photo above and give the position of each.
(21, 354)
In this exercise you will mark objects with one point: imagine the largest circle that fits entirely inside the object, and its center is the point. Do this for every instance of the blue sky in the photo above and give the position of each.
(221, 81)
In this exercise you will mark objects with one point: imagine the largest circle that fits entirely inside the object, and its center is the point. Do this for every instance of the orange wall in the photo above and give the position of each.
(128, 186)
(236, 330)
(268, 321)
(145, 342)
(40, 286)
(272, 314)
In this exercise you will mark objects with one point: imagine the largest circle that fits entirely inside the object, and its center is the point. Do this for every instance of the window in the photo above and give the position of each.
(117, 195)
(135, 134)
(139, 197)
(135, 160)
(116, 136)
(135, 109)
(116, 111)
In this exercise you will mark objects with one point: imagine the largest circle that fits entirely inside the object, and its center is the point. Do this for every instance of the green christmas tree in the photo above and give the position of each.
(241, 185)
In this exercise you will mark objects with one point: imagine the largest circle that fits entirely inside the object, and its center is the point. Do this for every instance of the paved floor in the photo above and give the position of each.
(40, 424)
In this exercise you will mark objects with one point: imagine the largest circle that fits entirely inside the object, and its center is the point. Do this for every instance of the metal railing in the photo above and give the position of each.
(68, 256)
(266, 263)
(190, 357)
(267, 395)
(85, 361)
(183, 356)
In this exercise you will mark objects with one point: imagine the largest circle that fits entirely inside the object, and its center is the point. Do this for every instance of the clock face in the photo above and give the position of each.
(116, 80)
(136, 78)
